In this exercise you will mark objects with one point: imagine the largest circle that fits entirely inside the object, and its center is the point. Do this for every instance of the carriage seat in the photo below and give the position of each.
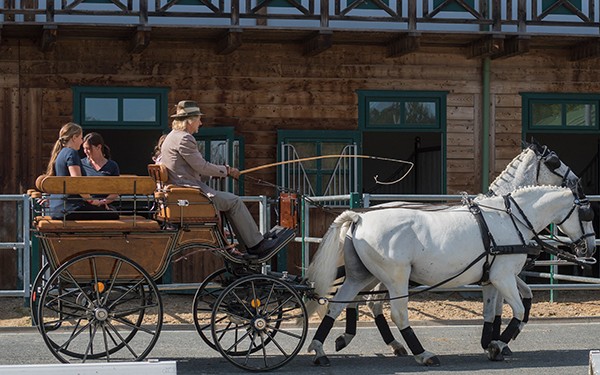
(138, 186)
(124, 224)
(179, 204)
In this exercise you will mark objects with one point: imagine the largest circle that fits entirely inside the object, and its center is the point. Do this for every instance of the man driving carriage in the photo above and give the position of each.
(187, 167)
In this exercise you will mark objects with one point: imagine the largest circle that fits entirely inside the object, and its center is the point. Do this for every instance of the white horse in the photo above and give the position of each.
(396, 246)
(535, 165)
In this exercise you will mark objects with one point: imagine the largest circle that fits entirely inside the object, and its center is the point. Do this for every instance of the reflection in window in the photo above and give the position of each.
(544, 114)
(581, 114)
(142, 109)
(101, 109)
(332, 148)
(422, 113)
(382, 113)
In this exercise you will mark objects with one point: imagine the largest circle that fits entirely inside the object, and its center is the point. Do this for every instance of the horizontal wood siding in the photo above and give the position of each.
(261, 88)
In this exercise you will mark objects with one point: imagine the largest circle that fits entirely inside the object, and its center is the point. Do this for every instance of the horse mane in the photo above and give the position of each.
(512, 166)
(521, 190)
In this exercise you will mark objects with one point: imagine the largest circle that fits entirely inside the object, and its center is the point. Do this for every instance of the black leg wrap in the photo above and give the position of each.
(351, 318)
(511, 330)
(324, 329)
(496, 328)
(486, 334)
(527, 305)
(384, 329)
(412, 341)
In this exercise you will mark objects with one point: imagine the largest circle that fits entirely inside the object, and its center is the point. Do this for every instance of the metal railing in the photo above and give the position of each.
(22, 246)
(582, 283)
(519, 16)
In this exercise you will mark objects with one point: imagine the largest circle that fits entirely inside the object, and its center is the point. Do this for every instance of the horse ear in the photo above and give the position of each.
(552, 161)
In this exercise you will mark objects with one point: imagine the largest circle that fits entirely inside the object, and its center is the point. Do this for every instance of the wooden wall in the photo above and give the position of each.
(261, 88)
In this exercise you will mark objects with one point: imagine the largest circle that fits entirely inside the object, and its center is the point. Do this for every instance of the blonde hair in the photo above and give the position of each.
(181, 123)
(66, 133)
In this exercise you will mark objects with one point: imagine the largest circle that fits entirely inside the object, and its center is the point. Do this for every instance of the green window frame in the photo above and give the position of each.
(401, 110)
(212, 142)
(453, 6)
(318, 143)
(551, 112)
(120, 107)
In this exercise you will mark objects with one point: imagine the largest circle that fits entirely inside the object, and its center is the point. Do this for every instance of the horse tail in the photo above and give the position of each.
(323, 268)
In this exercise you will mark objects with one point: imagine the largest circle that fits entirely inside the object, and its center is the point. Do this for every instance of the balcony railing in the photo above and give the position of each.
(503, 16)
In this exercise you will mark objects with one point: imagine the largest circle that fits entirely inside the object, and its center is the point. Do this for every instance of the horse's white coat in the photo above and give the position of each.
(395, 245)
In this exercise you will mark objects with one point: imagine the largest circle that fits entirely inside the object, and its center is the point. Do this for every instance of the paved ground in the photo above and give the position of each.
(551, 348)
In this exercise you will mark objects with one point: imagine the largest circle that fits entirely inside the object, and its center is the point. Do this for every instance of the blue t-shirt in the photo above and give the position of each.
(66, 157)
(110, 168)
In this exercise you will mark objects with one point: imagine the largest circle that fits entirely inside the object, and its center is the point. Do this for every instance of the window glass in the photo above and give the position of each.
(420, 113)
(218, 152)
(581, 114)
(384, 113)
(139, 109)
(546, 114)
(331, 148)
(101, 109)
(305, 149)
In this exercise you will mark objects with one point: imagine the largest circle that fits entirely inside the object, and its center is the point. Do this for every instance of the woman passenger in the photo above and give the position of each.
(98, 163)
(65, 161)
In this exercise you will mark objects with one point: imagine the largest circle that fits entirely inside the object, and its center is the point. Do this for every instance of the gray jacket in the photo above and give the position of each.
(186, 165)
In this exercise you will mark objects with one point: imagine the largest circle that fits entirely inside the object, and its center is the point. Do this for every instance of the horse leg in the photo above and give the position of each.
(357, 278)
(383, 326)
(347, 291)
(508, 289)
(491, 317)
(526, 298)
(399, 307)
(345, 338)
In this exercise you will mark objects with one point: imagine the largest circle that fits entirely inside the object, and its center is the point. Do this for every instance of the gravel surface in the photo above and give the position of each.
(424, 307)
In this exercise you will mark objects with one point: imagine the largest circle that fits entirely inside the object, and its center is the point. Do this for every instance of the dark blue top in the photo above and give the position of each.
(66, 157)
(110, 168)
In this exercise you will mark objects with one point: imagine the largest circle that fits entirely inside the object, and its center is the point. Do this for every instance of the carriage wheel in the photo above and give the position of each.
(259, 323)
(107, 306)
(204, 301)
(41, 280)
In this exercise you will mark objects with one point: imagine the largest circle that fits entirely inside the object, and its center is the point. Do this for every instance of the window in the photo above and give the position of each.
(219, 146)
(560, 112)
(387, 110)
(120, 107)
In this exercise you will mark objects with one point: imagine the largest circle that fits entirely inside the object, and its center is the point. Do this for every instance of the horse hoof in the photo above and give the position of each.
(506, 351)
(494, 353)
(399, 352)
(340, 343)
(432, 362)
(322, 361)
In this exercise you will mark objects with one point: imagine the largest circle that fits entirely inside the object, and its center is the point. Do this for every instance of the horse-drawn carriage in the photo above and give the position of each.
(96, 298)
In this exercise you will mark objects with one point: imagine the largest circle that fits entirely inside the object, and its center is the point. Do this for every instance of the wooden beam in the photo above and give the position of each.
(487, 46)
(140, 39)
(49, 37)
(318, 43)
(404, 45)
(586, 50)
(229, 42)
(513, 47)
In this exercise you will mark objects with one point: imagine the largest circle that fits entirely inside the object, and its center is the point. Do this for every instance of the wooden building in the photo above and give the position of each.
(453, 85)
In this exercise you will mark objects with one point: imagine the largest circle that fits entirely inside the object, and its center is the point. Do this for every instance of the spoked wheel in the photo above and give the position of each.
(41, 280)
(204, 301)
(259, 323)
(108, 309)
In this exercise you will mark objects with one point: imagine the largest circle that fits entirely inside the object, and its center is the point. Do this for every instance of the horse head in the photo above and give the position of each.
(578, 222)
(551, 170)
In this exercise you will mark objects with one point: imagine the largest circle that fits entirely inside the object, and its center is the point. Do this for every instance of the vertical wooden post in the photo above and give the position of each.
(235, 12)
(325, 13)
(412, 15)
(143, 12)
(522, 14)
